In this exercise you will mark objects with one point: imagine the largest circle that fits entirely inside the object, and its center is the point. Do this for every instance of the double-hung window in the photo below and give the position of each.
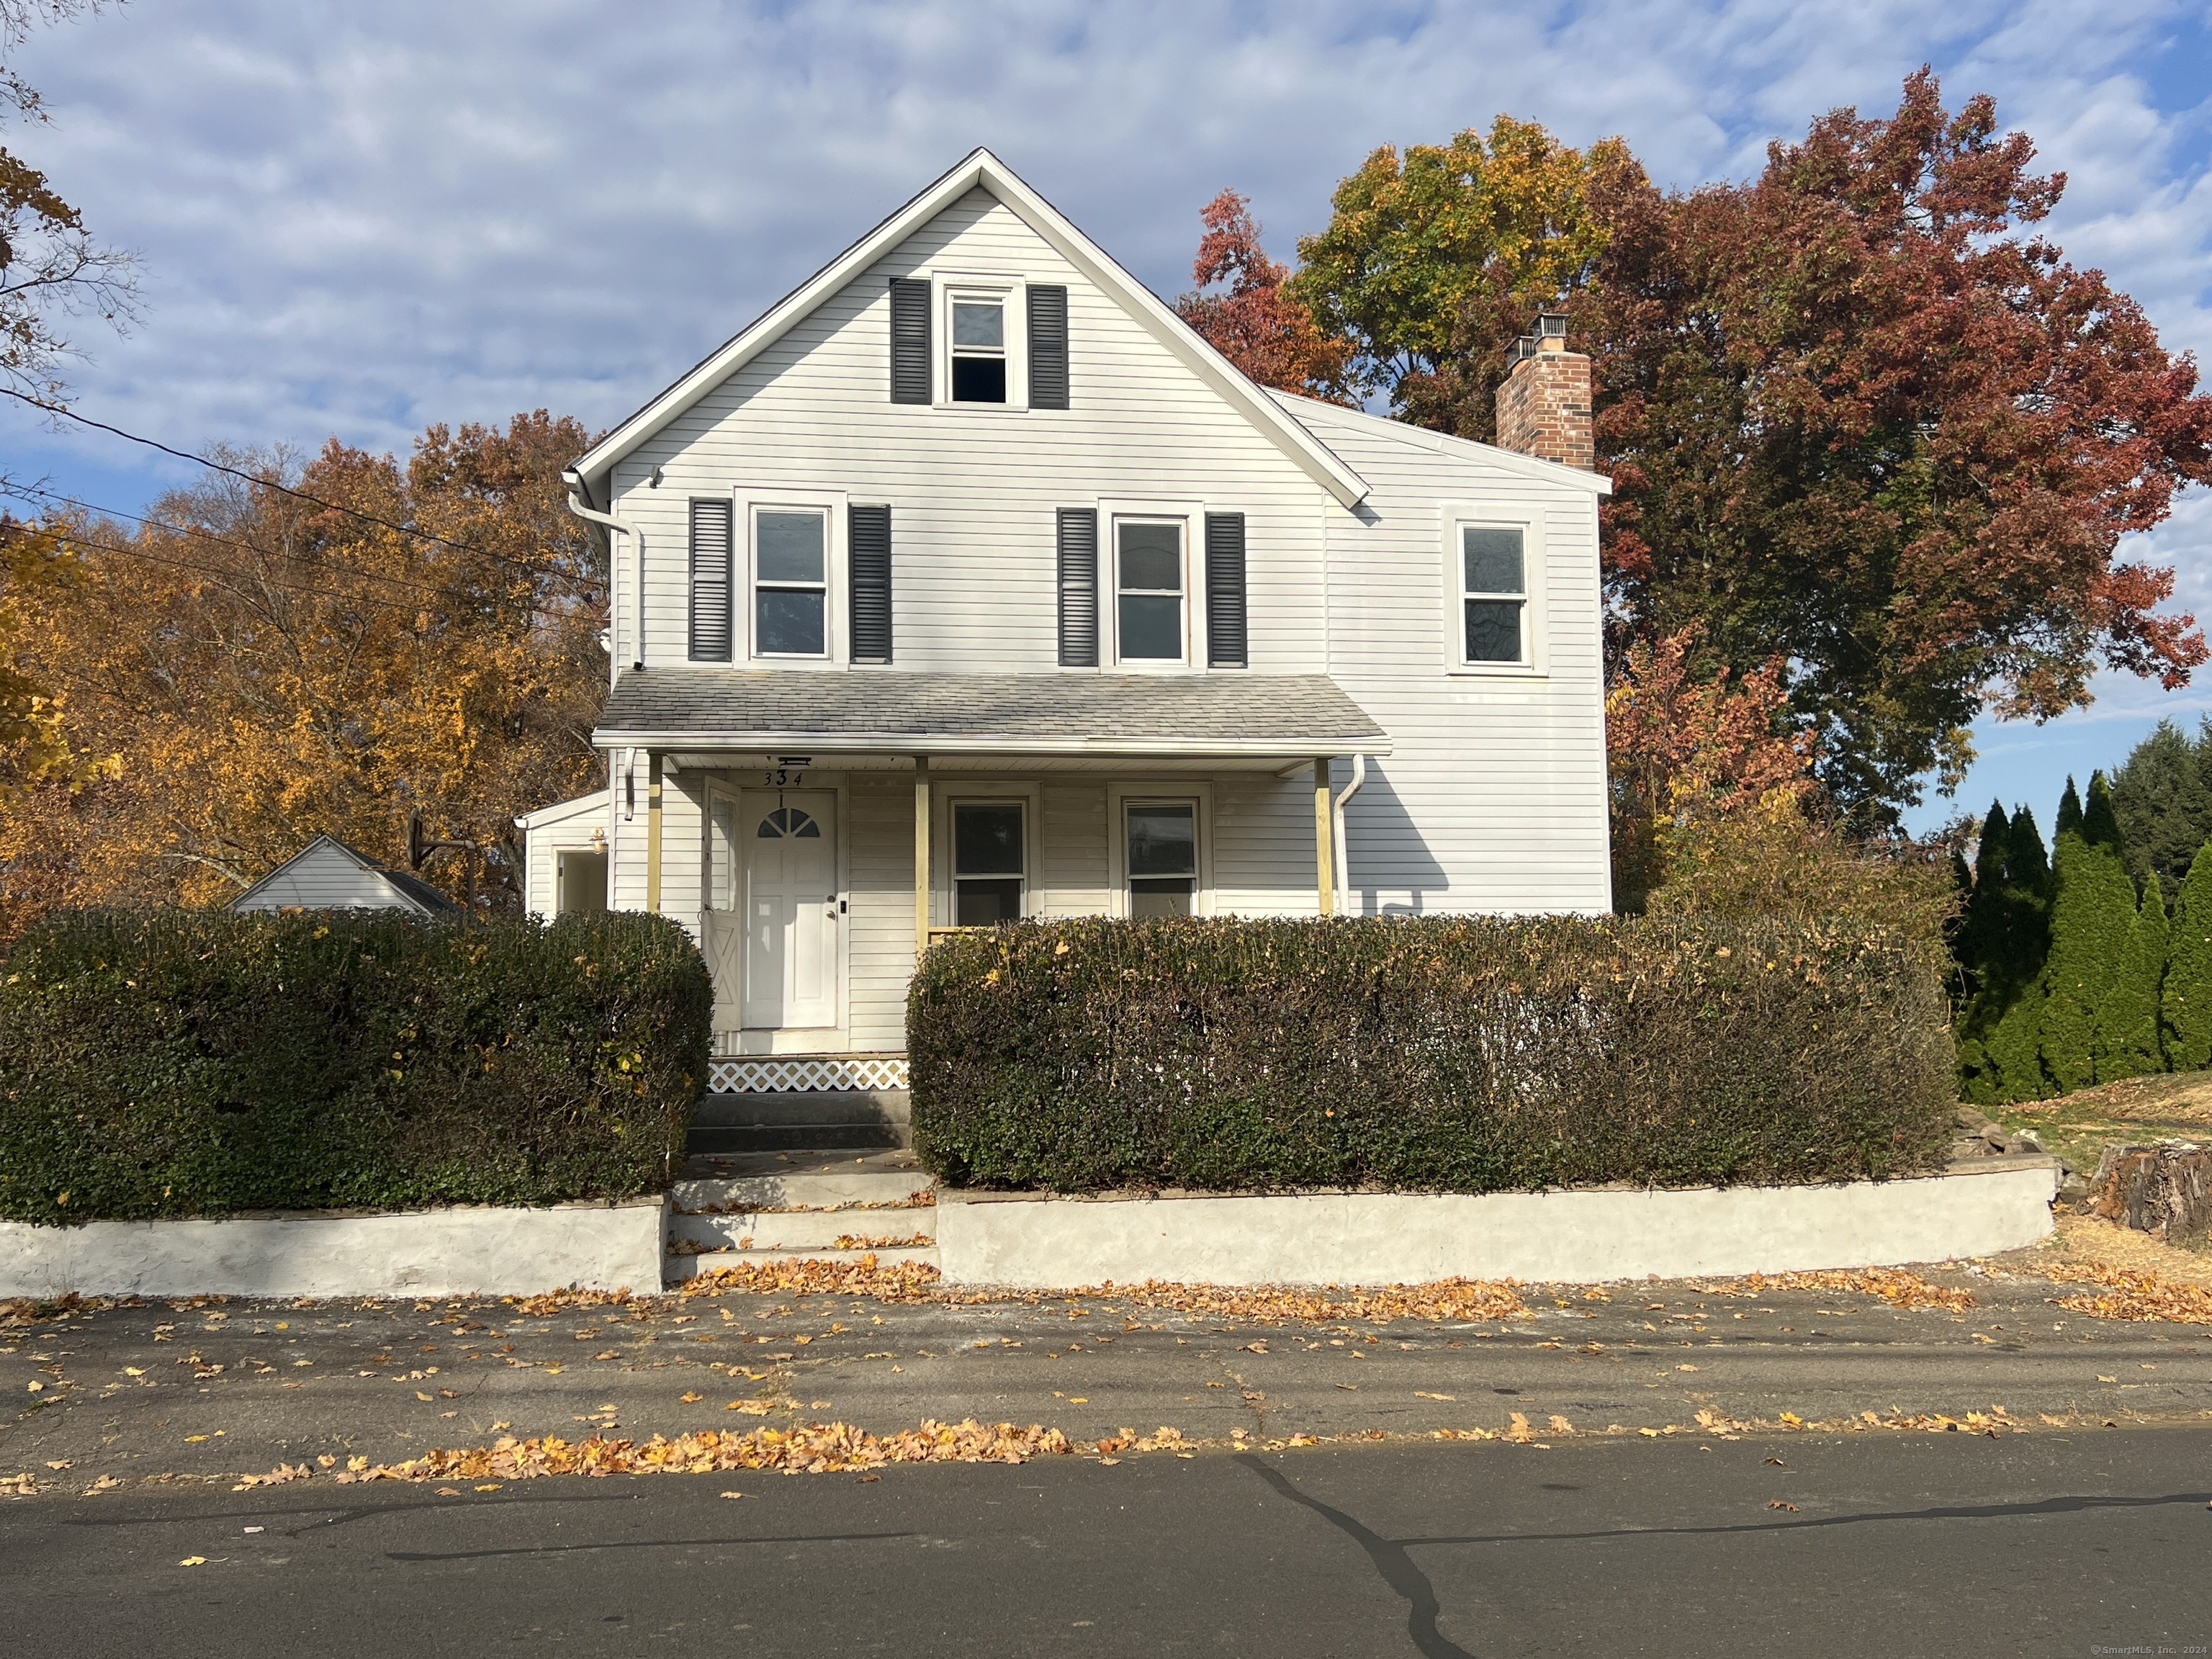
(979, 348)
(990, 867)
(791, 581)
(1150, 619)
(1162, 858)
(1493, 594)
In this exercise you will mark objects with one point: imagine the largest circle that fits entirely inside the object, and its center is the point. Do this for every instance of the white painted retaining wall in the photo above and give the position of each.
(455, 1252)
(1581, 1237)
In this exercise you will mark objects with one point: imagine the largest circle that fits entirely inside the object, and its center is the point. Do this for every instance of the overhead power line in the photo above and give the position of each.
(434, 589)
(293, 584)
(285, 490)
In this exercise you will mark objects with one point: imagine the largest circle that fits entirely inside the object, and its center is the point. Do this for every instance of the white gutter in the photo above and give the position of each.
(576, 482)
(1343, 849)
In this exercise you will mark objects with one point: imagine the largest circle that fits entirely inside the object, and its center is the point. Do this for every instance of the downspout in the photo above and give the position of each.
(575, 480)
(1343, 848)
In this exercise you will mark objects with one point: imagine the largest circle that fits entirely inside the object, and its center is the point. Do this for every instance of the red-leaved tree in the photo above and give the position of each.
(1249, 318)
(1860, 423)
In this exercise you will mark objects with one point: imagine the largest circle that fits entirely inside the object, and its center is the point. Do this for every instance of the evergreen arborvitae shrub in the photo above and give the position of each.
(2008, 920)
(2093, 910)
(1459, 1053)
(2128, 1041)
(2186, 1001)
(196, 1063)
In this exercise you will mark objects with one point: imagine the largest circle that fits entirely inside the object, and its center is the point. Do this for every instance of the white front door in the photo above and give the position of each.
(787, 851)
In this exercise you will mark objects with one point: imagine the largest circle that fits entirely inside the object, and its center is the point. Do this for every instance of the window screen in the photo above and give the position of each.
(1162, 845)
(989, 862)
(1494, 589)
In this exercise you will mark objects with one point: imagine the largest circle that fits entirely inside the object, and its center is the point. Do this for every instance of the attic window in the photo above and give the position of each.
(979, 348)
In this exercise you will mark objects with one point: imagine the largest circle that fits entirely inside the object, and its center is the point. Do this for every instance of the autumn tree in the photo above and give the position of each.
(262, 667)
(51, 268)
(1433, 263)
(1857, 418)
(1240, 307)
(1689, 744)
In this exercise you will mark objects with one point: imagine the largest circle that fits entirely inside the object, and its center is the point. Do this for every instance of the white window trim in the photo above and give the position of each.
(835, 638)
(1013, 293)
(947, 788)
(1536, 640)
(1118, 799)
(1193, 517)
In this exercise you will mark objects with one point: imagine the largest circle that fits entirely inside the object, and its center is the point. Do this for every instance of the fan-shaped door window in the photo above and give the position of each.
(788, 822)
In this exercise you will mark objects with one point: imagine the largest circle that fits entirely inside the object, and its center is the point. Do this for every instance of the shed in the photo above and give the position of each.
(326, 874)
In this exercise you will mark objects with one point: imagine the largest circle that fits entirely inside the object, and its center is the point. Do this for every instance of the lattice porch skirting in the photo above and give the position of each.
(789, 1073)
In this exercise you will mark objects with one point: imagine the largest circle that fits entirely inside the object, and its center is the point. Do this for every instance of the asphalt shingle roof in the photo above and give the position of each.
(1299, 712)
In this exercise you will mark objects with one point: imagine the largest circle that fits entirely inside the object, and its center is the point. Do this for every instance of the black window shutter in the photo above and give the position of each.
(1078, 588)
(869, 554)
(909, 341)
(711, 566)
(1225, 645)
(1047, 347)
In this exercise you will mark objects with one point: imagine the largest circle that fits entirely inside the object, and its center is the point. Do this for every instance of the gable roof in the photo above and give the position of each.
(1312, 411)
(326, 874)
(982, 169)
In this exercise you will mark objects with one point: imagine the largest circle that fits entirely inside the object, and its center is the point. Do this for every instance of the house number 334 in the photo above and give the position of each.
(784, 778)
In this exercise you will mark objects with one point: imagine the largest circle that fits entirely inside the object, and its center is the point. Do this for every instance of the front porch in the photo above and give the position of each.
(815, 863)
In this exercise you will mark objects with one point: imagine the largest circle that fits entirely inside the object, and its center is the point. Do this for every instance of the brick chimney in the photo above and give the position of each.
(1544, 406)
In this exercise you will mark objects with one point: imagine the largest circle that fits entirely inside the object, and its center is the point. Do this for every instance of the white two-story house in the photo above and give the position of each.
(970, 584)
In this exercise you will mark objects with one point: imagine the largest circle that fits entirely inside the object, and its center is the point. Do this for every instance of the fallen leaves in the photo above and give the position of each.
(1894, 1285)
(2128, 1294)
(193, 1561)
(553, 1302)
(1781, 1503)
(902, 1281)
(276, 1477)
(1421, 1393)
(817, 1449)
(692, 1398)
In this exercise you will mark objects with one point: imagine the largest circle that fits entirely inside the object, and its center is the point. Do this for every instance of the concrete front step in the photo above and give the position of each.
(801, 1119)
(799, 1229)
(806, 1180)
(678, 1269)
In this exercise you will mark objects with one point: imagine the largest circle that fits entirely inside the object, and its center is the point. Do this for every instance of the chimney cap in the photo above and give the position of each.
(1552, 325)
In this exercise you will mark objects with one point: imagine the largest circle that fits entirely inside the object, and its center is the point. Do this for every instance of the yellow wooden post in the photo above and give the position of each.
(1324, 839)
(920, 856)
(652, 832)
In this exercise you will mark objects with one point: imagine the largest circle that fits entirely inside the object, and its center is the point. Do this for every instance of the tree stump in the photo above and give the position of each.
(2165, 1189)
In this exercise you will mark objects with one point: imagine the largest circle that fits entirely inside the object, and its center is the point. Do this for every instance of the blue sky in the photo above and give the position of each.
(359, 218)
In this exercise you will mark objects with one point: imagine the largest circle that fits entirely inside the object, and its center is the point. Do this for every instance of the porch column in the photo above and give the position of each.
(920, 856)
(1324, 839)
(652, 832)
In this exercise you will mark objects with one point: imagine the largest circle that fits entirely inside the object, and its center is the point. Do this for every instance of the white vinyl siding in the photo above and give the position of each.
(974, 489)
(1492, 798)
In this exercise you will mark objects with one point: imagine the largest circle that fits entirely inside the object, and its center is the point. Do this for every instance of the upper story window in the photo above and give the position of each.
(1493, 594)
(791, 585)
(979, 348)
(1151, 591)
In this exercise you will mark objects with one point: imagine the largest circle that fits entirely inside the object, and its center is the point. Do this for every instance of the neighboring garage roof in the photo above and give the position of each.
(1289, 715)
(326, 874)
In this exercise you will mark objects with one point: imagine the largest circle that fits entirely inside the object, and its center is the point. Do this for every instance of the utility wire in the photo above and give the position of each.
(282, 489)
(432, 588)
(235, 576)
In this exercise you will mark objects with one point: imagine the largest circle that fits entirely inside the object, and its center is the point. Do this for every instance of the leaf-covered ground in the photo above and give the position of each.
(856, 1369)
(2176, 1106)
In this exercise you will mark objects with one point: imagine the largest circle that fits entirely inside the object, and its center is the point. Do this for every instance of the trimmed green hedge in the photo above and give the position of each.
(1448, 1054)
(178, 1063)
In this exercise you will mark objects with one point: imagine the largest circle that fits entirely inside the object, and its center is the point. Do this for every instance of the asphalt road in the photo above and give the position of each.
(2063, 1542)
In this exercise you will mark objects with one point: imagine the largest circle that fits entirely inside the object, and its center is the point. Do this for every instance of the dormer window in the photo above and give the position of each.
(979, 348)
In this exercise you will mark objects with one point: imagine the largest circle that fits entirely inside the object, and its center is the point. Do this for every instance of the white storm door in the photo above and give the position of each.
(786, 846)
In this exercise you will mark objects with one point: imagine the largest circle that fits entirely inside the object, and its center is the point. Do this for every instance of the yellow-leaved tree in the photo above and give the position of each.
(249, 668)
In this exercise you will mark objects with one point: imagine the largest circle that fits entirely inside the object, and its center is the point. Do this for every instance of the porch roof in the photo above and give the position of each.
(907, 712)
